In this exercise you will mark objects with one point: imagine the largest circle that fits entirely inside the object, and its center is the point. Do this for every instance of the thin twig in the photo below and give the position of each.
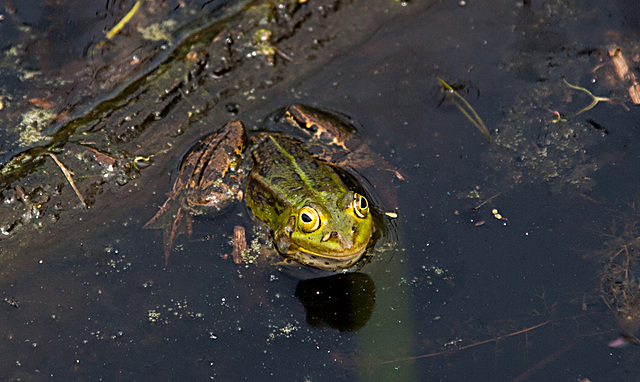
(486, 201)
(67, 175)
(466, 109)
(594, 99)
(495, 339)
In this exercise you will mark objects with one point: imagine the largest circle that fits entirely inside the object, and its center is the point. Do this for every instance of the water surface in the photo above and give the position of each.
(465, 294)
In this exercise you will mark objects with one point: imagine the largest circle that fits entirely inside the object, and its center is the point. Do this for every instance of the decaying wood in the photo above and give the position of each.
(624, 74)
(239, 243)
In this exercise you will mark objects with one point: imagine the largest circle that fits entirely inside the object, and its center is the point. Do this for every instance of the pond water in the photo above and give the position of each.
(514, 257)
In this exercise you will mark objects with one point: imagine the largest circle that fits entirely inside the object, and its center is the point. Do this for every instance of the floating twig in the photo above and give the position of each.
(67, 175)
(486, 201)
(467, 110)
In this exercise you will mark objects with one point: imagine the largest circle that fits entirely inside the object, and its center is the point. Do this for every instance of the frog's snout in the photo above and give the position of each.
(344, 242)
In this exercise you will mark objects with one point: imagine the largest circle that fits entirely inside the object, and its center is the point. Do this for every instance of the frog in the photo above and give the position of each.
(297, 185)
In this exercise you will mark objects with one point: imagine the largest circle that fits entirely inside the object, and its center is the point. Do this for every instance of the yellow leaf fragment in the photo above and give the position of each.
(124, 20)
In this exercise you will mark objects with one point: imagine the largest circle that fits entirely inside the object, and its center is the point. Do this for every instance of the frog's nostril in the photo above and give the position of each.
(330, 235)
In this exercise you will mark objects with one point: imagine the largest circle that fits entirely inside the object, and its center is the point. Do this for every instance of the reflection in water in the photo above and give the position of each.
(343, 302)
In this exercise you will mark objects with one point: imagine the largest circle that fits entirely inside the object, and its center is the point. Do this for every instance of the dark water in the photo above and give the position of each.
(466, 296)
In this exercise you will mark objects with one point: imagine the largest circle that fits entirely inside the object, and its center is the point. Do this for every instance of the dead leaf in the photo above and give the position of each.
(41, 102)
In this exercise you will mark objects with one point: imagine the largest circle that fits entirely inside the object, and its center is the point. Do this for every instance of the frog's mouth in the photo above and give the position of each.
(328, 261)
(341, 259)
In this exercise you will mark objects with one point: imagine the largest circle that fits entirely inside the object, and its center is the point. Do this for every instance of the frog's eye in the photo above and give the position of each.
(309, 219)
(360, 205)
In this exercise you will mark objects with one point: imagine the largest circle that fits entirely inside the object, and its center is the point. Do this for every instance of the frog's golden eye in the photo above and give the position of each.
(360, 205)
(309, 219)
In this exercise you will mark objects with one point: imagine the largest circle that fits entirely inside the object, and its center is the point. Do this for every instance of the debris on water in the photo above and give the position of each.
(624, 74)
(12, 301)
(594, 99)
(239, 243)
(620, 282)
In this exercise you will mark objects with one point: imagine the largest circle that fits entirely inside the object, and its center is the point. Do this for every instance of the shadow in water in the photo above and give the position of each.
(343, 302)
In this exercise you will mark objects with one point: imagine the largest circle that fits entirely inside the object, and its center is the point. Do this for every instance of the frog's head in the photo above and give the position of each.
(331, 235)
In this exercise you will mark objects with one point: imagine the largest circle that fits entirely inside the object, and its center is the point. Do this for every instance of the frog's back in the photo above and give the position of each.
(285, 175)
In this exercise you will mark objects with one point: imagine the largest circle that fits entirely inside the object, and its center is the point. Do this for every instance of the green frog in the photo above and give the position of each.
(316, 212)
